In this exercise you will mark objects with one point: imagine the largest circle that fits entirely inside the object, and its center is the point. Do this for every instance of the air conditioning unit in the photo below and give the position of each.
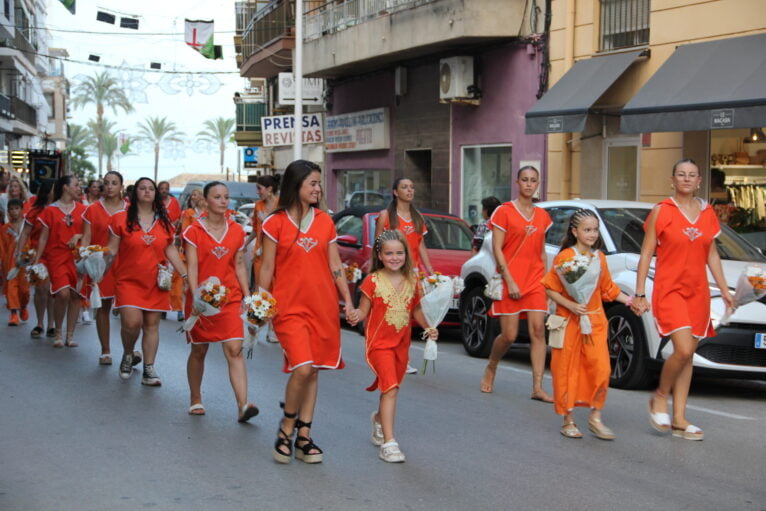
(455, 77)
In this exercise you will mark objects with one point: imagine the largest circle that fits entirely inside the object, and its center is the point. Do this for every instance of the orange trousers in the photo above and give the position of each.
(17, 292)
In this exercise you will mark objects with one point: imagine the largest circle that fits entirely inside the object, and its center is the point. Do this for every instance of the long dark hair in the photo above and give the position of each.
(159, 208)
(393, 216)
(392, 235)
(574, 221)
(295, 174)
(58, 188)
(210, 185)
(269, 182)
(114, 173)
(43, 191)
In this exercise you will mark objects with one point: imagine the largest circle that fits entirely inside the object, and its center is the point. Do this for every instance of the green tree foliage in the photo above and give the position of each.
(156, 130)
(218, 131)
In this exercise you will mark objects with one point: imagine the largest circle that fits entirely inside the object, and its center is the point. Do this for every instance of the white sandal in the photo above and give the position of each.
(197, 406)
(659, 421)
(105, 359)
(691, 432)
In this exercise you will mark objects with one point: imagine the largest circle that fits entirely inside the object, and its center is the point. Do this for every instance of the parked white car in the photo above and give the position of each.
(635, 346)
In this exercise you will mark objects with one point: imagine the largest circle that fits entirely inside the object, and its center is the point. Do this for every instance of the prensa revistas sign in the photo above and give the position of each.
(357, 131)
(278, 130)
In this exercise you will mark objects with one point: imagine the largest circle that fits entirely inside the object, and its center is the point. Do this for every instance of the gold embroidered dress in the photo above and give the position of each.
(388, 329)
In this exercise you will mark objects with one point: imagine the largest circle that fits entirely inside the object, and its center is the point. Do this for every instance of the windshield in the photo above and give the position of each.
(625, 227)
(447, 234)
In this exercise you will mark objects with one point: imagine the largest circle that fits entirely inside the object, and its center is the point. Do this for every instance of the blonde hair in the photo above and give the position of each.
(24, 193)
(392, 235)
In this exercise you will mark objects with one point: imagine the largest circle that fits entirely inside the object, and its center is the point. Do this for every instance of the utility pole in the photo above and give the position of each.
(298, 76)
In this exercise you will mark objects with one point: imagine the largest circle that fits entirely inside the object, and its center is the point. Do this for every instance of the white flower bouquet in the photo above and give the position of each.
(209, 299)
(353, 273)
(37, 274)
(751, 286)
(438, 291)
(164, 276)
(24, 259)
(579, 274)
(261, 308)
(90, 261)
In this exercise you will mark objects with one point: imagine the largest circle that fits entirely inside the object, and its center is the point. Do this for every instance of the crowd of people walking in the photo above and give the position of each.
(147, 235)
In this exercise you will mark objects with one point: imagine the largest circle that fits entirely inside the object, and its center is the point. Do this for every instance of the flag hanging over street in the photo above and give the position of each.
(70, 5)
(199, 35)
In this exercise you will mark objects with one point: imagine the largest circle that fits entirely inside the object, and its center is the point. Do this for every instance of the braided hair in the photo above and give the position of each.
(392, 235)
(574, 222)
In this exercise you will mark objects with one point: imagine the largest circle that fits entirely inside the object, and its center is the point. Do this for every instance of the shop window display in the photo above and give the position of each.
(486, 172)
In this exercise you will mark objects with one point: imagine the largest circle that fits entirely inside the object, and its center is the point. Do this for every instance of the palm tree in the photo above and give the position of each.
(111, 149)
(104, 91)
(81, 142)
(100, 130)
(218, 131)
(157, 130)
(80, 136)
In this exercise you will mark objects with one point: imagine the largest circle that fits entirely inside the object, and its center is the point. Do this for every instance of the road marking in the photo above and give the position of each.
(722, 414)
(500, 366)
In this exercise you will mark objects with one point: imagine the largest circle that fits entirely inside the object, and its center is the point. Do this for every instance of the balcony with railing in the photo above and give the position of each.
(23, 111)
(268, 39)
(249, 123)
(345, 37)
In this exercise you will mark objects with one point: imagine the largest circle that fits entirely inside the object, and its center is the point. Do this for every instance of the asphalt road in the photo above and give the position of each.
(73, 436)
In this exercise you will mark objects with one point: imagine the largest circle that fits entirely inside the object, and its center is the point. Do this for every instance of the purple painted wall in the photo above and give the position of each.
(509, 81)
(371, 91)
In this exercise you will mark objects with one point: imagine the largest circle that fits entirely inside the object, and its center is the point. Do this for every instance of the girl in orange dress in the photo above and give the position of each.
(302, 267)
(59, 236)
(171, 203)
(214, 247)
(97, 219)
(29, 237)
(391, 298)
(581, 368)
(518, 243)
(681, 230)
(195, 210)
(268, 187)
(140, 239)
(16, 290)
(402, 215)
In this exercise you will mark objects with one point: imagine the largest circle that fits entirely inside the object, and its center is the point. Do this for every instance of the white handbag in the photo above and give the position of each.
(557, 326)
(494, 288)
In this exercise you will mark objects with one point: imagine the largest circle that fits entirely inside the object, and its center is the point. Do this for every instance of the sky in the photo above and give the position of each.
(187, 100)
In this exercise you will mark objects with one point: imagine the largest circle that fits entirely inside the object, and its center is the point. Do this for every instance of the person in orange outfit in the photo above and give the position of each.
(29, 237)
(401, 214)
(96, 219)
(214, 247)
(581, 369)
(140, 239)
(268, 187)
(171, 203)
(195, 210)
(681, 230)
(16, 290)
(390, 297)
(60, 235)
(301, 265)
(518, 243)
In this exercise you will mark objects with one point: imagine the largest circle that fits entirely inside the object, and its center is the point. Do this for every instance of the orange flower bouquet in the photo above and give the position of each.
(24, 259)
(37, 274)
(209, 299)
(353, 273)
(751, 287)
(261, 308)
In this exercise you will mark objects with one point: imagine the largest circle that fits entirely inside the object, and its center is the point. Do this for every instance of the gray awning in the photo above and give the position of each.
(564, 108)
(703, 86)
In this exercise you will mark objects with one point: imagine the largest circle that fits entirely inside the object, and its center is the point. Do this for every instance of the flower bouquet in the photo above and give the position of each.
(751, 286)
(579, 274)
(437, 293)
(24, 259)
(90, 261)
(37, 274)
(209, 299)
(164, 276)
(353, 273)
(261, 308)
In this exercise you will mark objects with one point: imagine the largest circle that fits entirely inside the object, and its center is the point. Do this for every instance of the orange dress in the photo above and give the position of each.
(99, 219)
(30, 218)
(681, 294)
(177, 290)
(308, 318)
(173, 209)
(58, 257)
(582, 367)
(259, 215)
(414, 238)
(217, 258)
(135, 269)
(388, 331)
(17, 290)
(522, 248)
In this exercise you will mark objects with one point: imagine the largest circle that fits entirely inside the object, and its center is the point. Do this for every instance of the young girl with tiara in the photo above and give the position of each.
(391, 299)
(581, 368)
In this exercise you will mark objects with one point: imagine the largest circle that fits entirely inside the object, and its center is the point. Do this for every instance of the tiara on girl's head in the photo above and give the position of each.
(387, 235)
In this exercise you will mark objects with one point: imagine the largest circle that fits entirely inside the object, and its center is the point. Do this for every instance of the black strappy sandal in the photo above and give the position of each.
(303, 452)
(284, 441)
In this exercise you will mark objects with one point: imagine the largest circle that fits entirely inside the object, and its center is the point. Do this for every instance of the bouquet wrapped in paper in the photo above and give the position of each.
(353, 273)
(261, 308)
(24, 259)
(90, 261)
(37, 274)
(164, 276)
(751, 286)
(208, 298)
(579, 274)
(437, 292)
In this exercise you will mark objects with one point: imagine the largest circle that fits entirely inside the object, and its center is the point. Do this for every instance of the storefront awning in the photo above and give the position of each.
(565, 107)
(704, 86)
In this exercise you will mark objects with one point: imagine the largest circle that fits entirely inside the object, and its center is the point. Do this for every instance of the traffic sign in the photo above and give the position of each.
(313, 90)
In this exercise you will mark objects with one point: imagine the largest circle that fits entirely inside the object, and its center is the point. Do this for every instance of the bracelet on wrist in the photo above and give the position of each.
(637, 295)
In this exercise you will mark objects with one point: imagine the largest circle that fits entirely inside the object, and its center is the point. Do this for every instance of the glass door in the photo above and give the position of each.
(621, 166)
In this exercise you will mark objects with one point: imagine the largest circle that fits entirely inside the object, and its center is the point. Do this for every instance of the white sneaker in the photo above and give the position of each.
(86, 317)
(390, 453)
(410, 369)
(150, 377)
(377, 431)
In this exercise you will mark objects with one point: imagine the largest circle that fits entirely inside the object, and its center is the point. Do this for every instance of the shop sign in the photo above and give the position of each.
(313, 90)
(723, 118)
(366, 130)
(555, 124)
(250, 155)
(278, 130)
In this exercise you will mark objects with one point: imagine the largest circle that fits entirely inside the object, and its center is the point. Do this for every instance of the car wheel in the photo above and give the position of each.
(627, 349)
(479, 330)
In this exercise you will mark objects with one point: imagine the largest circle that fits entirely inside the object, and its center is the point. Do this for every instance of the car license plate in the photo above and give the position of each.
(455, 303)
(760, 341)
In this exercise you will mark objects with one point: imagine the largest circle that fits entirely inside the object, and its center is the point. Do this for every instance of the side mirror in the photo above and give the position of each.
(348, 240)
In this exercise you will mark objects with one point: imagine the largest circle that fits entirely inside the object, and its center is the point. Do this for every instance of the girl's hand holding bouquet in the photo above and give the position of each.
(751, 286)
(260, 308)
(90, 260)
(209, 298)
